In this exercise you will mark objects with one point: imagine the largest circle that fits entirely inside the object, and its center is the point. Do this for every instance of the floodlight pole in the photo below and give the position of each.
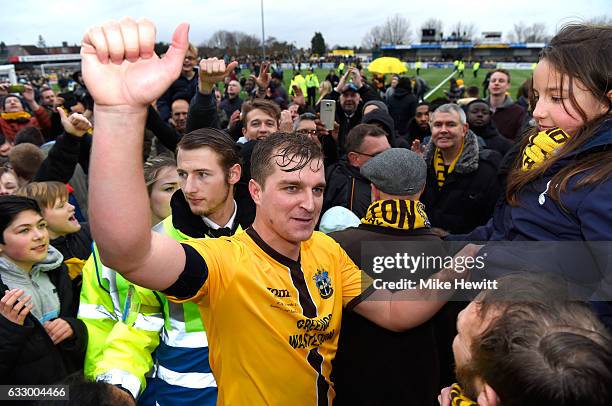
(263, 36)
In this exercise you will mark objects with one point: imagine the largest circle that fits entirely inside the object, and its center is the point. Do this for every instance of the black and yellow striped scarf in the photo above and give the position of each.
(398, 214)
(458, 398)
(442, 171)
(541, 146)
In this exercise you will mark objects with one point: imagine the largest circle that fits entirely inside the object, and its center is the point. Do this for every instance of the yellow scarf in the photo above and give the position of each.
(541, 146)
(442, 171)
(399, 214)
(458, 398)
(18, 115)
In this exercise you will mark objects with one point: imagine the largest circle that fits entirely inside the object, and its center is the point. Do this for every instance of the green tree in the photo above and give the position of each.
(317, 44)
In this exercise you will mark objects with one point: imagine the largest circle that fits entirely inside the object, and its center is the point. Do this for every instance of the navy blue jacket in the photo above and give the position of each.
(585, 214)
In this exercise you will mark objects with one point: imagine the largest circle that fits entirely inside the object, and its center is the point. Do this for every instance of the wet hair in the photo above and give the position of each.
(10, 207)
(30, 135)
(45, 193)
(579, 52)
(472, 91)
(26, 159)
(218, 141)
(154, 165)
(540, 349)
(292, 152)
(267, 106)
(355, 137)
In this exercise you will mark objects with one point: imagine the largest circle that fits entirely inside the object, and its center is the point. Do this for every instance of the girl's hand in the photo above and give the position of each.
(14, 309)
(59, 330)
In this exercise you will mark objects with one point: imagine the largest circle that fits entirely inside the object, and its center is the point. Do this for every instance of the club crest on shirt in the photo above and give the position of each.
(323, 282)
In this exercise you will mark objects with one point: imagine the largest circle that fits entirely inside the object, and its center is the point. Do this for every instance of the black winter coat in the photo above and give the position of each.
(402, 107)
(493, 138)
(346, 187)
(27, 354)
(410, 359)
(467, 198)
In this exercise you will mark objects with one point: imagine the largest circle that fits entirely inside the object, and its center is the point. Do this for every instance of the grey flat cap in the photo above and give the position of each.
(396, 171)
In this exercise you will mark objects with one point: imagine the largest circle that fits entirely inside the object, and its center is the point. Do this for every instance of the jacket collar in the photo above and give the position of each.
(191, 224)
(468, 161)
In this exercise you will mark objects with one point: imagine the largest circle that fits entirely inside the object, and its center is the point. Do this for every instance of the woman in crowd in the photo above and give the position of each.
(41, 341)
(122, 337)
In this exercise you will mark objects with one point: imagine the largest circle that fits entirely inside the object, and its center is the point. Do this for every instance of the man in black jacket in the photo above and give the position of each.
(350, 98)
(462, 184)
(184, 87)
(479, 119)
(346, 186)
(398, 178)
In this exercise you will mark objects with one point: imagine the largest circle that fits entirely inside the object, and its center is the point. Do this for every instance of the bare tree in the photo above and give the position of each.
(396, 30)
(522, 32)
(600, 20)
(465, 31)
(374, 38)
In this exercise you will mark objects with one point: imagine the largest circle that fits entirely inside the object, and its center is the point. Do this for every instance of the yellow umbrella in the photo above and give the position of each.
(386, 65)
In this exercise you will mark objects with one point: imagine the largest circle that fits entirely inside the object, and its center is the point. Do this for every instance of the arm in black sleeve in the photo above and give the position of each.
(368, 93)
(202, 112)
(61, 161)
(167, 135)
(163, 104)
(193, 277)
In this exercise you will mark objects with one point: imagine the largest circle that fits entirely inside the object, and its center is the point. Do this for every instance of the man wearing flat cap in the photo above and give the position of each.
(374, 365)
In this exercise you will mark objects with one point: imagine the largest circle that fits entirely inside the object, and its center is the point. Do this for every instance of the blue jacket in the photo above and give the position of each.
(585, 214)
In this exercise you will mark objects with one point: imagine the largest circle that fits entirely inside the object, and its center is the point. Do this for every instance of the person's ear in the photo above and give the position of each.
(609, 95)
(488, 397)
(234, 174)
(352, 157)
(375, 192)
(255, 191)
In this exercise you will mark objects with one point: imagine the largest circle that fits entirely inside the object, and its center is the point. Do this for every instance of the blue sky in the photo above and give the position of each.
(341, 22)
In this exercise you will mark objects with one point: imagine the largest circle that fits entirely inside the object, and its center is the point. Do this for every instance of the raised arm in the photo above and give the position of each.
(124, 76)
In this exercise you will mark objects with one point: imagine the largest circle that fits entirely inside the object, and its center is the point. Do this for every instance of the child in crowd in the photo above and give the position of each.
(41, 341)
(71, 238)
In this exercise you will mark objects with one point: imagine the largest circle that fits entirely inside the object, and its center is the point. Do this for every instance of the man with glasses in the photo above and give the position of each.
(308, 124)
(184, 87)
(345, 185)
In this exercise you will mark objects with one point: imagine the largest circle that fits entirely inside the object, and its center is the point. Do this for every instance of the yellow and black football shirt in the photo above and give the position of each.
(272, 322)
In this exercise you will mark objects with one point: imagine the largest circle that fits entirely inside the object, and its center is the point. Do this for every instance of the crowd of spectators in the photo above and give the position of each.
(249, 169)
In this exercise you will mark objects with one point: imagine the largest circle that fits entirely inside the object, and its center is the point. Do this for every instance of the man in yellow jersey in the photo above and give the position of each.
(272, 296)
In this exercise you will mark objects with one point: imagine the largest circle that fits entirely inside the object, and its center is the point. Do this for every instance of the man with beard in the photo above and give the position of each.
(418, 127)
(208, 169)
(479, 119)
(524, 344)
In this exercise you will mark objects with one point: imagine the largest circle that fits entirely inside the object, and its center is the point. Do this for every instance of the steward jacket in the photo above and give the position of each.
(346, 187)
(312, 80)
(27, 354)
(357, 374)
(148, 336)
(468, 196)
